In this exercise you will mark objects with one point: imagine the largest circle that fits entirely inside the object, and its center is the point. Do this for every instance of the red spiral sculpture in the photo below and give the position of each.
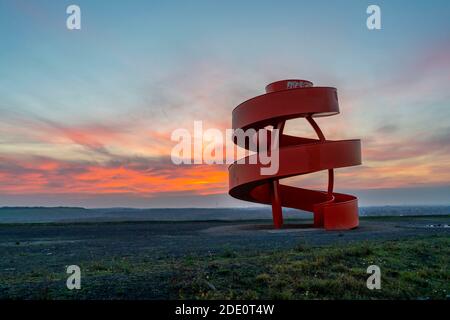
(284, 100)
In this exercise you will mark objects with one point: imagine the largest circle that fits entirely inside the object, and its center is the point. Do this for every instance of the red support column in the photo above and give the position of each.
(277, 211)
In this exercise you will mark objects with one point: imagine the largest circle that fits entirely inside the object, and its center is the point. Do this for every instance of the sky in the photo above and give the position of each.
(86, 115)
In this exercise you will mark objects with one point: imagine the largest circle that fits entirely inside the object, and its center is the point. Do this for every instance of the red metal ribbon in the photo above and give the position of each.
(285, 100)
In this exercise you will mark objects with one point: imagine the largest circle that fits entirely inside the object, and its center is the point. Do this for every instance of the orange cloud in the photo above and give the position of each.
(42, 175)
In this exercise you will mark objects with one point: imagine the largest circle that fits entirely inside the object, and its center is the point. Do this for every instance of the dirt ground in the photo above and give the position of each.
(31, 252)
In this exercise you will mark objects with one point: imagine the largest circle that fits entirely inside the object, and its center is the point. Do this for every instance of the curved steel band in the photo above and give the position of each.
(297, 156)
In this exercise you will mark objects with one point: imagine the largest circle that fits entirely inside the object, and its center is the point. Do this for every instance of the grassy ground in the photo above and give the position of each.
(411, 269)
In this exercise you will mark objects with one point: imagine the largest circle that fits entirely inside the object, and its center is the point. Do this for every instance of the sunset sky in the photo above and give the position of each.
(86, 116)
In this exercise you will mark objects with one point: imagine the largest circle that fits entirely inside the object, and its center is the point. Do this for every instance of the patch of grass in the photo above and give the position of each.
(411, 269)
